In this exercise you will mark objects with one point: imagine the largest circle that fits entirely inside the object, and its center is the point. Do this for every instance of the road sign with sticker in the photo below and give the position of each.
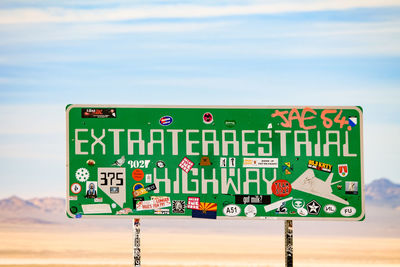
(289, 163)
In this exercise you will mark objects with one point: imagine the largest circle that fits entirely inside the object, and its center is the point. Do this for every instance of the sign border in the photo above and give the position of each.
(361, 122)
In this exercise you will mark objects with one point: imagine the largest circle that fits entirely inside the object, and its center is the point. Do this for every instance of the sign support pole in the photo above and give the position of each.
(136, 242)
(289, 243)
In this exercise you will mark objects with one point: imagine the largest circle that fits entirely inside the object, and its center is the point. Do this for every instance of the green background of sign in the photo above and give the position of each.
(246, 118)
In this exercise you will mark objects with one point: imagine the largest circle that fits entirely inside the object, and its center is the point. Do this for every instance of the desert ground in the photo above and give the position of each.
(55, 245)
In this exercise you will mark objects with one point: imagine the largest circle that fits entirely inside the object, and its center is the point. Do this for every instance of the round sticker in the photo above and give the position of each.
(137, 175)
(250, 211)
(330, 208)
(302, 212)
(281, 188)
(208, 118)
(231, 210)
(76, 188)
(348, 211)
(82, 175)
(113, 205)
(73, 210)
(137, 186)
(160, 164)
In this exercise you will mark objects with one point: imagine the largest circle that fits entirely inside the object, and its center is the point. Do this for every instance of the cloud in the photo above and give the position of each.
(69, 15)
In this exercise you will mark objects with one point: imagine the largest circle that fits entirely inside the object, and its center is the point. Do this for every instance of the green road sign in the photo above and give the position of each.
(288, 163)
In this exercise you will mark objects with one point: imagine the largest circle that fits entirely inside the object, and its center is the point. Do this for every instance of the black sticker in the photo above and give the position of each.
(151, 187)
(135, 200)
(178, 206)
(99, 113)
(73, 210)
(252, 199)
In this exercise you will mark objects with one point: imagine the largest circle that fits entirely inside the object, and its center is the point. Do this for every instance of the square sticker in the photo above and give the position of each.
(186, 164)
(193, 203)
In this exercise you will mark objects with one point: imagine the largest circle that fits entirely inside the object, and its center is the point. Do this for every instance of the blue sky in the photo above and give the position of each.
(53, 53)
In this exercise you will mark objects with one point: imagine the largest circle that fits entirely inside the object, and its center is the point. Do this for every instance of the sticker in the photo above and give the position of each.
(139, 192)
(348, 211)
(91, 189)
(252, 199)
(250, 211)
(232, 162)
(302, 212)
(161, 202)
(205, 161)
(276, 204)
(269, 126)
(178, 206)
(166, 120)
(352, 121)
(113, 205)
(135, 200)
(160, 164)
(76, 188)
(352, 188)
(148, 178)
(193, 203)
(73, 210)
(232, 210)
(112, 181)
(281, 188)
(78, 215)
(186, 165)
(144, 205)
(73, 198)
(282, 209)
(298, 203)
(90, 162)
(309, 183)
(161, 212)
(330, 208)
(99, 113)
(208, 118)
(137, 186)
(230, 123)
(124, 211)
(96, 208)
(260, 163)
(82, 175)
(151, 187)
(320, 166)
(99, 199)
(313, 207)
(139, 163)
(343, 170)
(287, 168)
(137, 175)
(206, 211)
(222, 162)
(114, 190)
(119, 162)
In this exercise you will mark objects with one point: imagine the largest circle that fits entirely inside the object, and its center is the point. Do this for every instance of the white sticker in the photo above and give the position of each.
(302, 212)
(82, 175)
(330, 208)
(260, 162)
(73, 197)
(99, 199)
(232, 162)
(112, 181)
(232, 210)
(222, 162)
(348, 211)
(96, 208)
(250, 211)
(148, 178)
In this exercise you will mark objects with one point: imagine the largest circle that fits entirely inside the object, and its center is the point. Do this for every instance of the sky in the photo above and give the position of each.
(300, 52)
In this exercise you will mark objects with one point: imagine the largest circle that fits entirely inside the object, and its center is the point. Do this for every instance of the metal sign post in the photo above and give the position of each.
(289, 243)
(136, 242)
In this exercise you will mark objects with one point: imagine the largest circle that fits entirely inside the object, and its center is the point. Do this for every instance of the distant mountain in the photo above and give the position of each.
(383, 192)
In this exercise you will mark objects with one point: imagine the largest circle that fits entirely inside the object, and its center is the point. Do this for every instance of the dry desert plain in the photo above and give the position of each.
(75, 245)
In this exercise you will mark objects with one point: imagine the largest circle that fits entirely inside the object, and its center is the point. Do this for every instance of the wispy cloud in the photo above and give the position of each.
(70, 15)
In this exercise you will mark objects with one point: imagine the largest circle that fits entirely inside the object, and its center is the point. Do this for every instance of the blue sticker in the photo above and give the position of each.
(166, 120)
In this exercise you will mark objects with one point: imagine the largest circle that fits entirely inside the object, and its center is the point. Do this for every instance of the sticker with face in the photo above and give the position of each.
(298, 203)
(250, 211)
(91, 189)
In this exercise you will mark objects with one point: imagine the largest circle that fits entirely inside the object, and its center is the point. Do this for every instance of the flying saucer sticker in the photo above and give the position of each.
(166, 120)
(82, 175)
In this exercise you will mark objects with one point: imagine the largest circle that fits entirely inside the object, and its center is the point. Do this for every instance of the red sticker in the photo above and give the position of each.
(281, 188)
(208, 118)
(137, 174)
